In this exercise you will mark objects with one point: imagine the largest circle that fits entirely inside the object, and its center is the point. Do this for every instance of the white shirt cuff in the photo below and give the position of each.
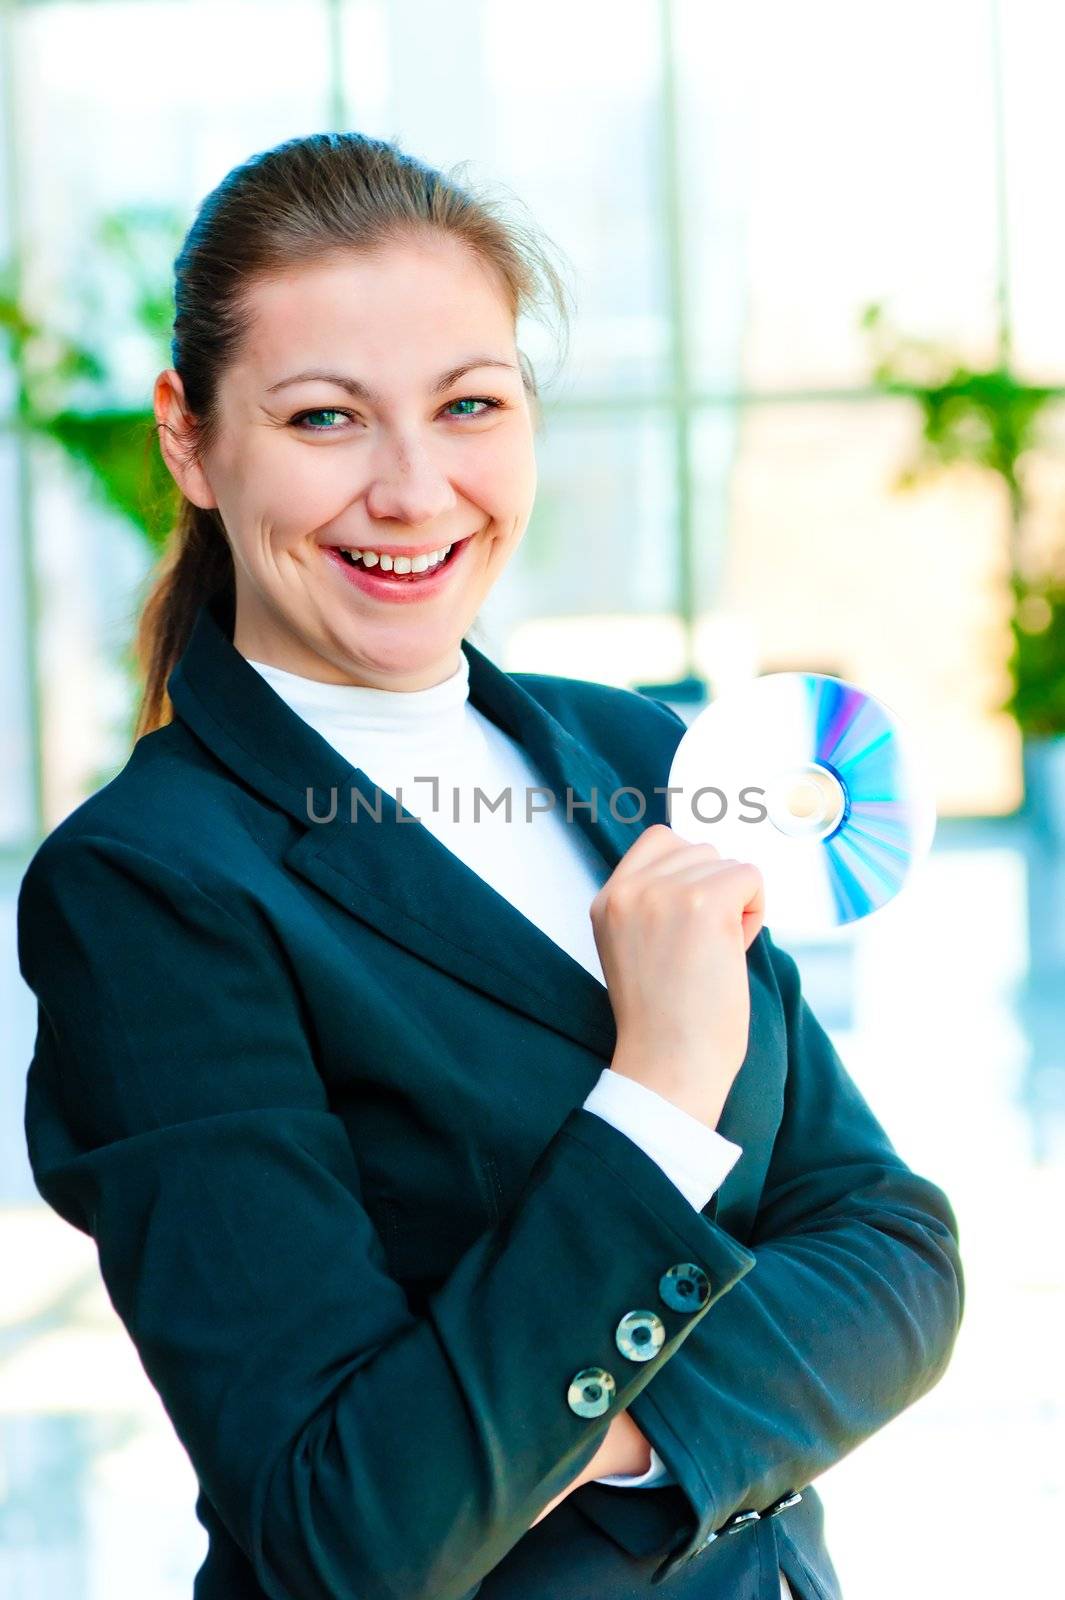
(656, 1473)
(696, 1158)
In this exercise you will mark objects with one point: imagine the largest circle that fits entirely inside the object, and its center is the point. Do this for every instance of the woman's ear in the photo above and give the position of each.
(176, 431)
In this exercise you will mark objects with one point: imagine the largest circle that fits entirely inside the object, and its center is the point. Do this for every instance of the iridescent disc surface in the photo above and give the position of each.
(818, 784)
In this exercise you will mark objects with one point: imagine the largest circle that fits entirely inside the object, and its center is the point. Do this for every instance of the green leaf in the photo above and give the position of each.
(120, 455)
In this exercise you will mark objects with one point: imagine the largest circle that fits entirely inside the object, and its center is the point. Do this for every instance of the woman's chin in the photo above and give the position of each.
(403, 661)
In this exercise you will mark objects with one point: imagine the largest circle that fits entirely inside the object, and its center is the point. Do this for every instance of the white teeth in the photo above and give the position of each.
(400, 564)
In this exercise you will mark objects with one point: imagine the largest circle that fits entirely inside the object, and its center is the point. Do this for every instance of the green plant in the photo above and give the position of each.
(67, 389)
(989, 418)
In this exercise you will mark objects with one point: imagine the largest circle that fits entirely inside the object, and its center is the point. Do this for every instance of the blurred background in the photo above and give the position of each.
(812, 417)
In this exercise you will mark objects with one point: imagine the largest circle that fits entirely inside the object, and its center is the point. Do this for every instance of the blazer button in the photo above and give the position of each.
(640, 1335)
(782, 1504)
(591, 1391)
(685, 1287)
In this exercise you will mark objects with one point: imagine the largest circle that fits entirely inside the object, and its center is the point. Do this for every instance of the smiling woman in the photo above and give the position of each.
(403, 472)
(409, 1151)
(345, 376)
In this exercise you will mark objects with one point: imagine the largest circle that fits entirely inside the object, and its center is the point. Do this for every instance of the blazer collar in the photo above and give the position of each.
(395, 874)
(397, 877)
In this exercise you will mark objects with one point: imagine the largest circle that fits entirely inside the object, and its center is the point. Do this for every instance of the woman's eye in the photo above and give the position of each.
(325, 411)
(478, 400)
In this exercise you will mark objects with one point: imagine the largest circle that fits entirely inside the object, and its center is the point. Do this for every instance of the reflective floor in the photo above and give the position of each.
(955, 1033)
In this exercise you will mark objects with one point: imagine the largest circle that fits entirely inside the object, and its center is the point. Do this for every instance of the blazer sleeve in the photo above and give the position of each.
(354, 1450)
(849, 1314)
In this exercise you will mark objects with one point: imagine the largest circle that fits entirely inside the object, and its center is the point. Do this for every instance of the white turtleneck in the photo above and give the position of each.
(545, 867)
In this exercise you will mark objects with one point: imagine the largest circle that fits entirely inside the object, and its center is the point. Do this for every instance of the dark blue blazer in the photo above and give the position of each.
(314, 1088)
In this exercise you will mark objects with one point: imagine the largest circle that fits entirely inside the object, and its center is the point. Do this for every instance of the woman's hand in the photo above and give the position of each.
(673, 924)
(624, 1450)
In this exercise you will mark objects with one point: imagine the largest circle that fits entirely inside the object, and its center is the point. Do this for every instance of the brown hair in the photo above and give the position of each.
(297, 202)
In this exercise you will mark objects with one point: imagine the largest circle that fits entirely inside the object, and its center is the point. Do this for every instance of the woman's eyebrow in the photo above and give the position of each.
(363, 391)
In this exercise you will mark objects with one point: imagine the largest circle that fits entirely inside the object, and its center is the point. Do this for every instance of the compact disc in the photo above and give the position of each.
(815, 782)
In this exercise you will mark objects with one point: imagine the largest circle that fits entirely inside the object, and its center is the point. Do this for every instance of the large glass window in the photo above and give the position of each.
(721, 231)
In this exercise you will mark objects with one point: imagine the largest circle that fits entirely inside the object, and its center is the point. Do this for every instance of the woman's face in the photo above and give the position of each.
(410, 458)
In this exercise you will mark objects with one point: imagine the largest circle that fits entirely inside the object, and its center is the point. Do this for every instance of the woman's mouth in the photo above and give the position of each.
(395, 586)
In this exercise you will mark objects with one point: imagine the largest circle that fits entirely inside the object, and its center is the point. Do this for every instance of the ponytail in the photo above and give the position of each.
(196, 565)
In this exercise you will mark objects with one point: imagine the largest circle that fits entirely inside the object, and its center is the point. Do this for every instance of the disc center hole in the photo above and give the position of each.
(806, 802)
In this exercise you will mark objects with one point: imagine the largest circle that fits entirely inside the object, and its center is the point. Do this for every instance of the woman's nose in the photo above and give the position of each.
(409, 486)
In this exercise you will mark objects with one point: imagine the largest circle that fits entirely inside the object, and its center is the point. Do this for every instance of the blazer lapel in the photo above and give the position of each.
(394, 874)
